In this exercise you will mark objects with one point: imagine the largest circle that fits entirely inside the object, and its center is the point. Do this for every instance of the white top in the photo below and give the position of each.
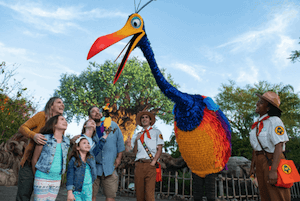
(272, 133)
(156, 139)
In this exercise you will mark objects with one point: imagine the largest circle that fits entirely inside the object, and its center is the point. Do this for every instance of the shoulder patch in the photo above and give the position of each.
(279, 130)
(160, 136)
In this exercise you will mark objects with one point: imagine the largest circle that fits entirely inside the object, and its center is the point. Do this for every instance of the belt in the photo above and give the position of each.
(144, 161)
(259, 153)
(270, 155)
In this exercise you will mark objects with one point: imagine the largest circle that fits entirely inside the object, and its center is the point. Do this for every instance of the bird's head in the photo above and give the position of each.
(133, 27)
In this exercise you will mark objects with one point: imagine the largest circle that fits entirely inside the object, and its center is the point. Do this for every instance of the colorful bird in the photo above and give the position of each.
(202, 131)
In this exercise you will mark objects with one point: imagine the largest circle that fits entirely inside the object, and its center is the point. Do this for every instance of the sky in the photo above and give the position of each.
(202, 44)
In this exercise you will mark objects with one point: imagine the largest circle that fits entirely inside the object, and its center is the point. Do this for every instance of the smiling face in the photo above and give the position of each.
(95, 114)
(84, 145)
(145, 121)
(57, 107)
(61, 124)
(262, 107)
(91, 124)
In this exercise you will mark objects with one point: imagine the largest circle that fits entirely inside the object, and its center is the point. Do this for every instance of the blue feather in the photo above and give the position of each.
(188, 108)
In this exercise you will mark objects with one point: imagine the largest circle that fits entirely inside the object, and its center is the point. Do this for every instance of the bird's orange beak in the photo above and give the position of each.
(133, 26)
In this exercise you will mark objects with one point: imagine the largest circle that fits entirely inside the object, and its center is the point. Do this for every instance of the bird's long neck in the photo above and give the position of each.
(171, 92)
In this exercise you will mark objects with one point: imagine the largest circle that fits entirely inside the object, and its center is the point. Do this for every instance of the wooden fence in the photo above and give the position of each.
(230, 188)
(178, 184)
(174, 184)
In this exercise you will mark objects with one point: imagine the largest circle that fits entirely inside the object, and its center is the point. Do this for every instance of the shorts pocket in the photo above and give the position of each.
(115, 174)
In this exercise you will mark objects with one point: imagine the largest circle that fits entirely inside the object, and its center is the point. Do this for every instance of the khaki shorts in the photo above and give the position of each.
(109, 184)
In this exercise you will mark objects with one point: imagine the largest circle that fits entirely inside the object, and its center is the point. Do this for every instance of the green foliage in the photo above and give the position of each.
(172, 146)
(295, 56)
(241, 146)
(293, 150)
(180, 176)
(14, 110)
(186, 182)
(135, 90)
(239, 104)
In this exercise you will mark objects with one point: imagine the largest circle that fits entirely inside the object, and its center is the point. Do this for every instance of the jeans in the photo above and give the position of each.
(25, 183)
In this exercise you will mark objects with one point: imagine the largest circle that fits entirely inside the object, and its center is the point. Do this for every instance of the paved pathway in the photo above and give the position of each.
(8, 193)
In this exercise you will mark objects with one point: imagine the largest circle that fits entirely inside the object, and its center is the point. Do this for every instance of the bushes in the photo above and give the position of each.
(13, 113)
(15, 109)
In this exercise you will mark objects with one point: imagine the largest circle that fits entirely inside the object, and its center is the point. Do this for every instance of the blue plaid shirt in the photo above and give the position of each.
(106, 157)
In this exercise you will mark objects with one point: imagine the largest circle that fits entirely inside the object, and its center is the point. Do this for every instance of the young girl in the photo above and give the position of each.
(82, 165)
(49, 160)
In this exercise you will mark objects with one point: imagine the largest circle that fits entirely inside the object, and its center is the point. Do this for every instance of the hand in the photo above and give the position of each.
(39, 139)
(70, 196)
(252, 171)
(272, 177)
(138, 136)
(105, 136)
(153, 163)
(117, 162)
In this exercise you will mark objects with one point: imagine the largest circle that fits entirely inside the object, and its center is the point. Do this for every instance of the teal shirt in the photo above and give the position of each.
(87, 186)
(87, 176)
(56, 166)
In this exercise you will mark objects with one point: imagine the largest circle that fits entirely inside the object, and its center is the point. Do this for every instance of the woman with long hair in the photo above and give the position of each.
(49, 160)
(89, 131)
(31, 129)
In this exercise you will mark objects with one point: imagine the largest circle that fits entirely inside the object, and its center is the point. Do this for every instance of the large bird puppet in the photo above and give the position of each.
(202, 131)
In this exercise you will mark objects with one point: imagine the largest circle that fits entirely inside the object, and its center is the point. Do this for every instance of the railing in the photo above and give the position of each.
(295, 190)
(178, 184)
(174, 184)
(228, 188)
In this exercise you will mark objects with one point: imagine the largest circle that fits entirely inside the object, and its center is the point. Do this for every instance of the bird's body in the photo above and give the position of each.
(202, 131)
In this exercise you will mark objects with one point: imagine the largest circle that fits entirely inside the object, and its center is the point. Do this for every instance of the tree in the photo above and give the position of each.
(239, 106)
(135, 91)
(14, 110)
(295, 56)
(172, 146)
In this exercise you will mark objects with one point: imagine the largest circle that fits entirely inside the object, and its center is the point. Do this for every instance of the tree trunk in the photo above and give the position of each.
(126, 120)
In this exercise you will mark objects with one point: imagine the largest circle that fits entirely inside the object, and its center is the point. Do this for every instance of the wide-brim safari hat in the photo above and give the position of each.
(272, 98)
(141, 113)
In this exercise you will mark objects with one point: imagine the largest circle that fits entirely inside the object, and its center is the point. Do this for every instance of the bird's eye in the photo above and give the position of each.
(136, 22)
